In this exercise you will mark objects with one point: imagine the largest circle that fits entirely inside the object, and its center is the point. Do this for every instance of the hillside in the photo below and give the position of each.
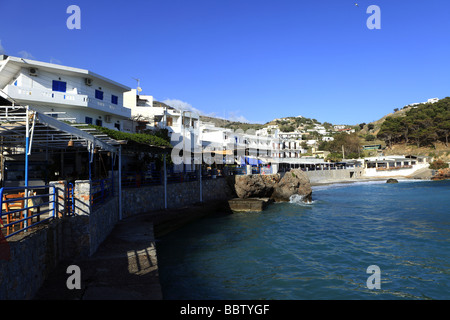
(287, 124)
(423, 129)
(377, 124)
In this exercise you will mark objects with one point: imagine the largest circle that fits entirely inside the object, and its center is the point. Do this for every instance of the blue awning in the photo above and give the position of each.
(250, 161)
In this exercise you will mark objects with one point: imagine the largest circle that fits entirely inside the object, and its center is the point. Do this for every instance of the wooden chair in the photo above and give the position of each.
(11, 206)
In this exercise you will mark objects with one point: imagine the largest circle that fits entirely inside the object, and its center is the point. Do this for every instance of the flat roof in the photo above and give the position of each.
(60, 68)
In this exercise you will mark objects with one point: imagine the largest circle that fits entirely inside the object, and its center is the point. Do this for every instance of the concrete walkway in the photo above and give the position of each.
(123, 268)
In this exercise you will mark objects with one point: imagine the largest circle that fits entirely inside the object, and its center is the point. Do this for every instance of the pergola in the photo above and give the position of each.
(27, 130)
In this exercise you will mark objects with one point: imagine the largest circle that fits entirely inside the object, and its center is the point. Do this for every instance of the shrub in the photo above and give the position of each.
(438, 164)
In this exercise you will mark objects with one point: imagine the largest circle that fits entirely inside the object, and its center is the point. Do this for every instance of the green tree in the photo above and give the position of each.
(350, 142)
(334, 157)
(438, 164)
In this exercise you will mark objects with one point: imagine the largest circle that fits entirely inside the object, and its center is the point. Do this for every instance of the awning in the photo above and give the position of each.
(251, 161)
(45, 132)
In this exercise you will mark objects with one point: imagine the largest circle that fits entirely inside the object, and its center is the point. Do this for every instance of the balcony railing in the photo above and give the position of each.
(54, 97)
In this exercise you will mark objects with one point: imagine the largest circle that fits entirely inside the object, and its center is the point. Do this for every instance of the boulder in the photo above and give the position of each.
(274, 186)
(392, 181)
(294, 182)
(255, 185)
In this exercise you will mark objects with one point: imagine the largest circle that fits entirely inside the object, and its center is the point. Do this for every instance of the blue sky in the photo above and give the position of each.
(247, 59)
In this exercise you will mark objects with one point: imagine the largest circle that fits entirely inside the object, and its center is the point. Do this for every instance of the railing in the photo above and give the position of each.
(70, 199)
(266, 170)
(239, 171)
(174, 177)
(394, 168)
(138, 179)
(101, 191)
(23, 208)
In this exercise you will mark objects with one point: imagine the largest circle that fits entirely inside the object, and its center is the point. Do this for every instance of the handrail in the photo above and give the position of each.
(101, 190)
(41, 203)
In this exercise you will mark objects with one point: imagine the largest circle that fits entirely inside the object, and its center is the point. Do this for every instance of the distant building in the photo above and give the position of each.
(347, 130)
(432, 100)
(339, 127)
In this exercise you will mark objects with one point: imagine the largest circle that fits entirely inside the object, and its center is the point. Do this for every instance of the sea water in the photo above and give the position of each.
(320, 250)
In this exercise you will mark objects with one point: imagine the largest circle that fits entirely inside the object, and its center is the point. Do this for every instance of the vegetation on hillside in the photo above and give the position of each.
(423, 126)
(438, 164)
(349, 142)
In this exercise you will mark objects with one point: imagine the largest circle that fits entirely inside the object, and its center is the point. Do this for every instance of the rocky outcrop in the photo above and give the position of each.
(294, 182)
(255, 186)
(274, 186)
(442, 174)
(392, 181)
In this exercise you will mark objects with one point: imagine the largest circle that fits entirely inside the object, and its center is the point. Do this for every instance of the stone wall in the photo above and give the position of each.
(343, 174)
(93, 224)
(35, 254)
(179, 195)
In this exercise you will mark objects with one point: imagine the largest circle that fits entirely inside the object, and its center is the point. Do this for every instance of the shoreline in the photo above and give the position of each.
(368, 179)
(113, 259)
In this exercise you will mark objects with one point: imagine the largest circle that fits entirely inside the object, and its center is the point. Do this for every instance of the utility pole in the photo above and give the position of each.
(343, 153)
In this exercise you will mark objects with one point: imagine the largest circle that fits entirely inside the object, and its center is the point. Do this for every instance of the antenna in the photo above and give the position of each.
(139, 89)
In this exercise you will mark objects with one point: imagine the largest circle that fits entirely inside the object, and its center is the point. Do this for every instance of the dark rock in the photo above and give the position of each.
(274, 186)
(255, 186)
(392, 181)
(294, 182)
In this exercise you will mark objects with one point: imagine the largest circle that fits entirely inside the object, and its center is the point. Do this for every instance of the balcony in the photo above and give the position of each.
(33, 95)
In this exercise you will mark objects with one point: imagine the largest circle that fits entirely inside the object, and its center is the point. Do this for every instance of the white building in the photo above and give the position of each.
(432, 100)
(394, 166)
(66, 93)
(290, 135)
(140, 105)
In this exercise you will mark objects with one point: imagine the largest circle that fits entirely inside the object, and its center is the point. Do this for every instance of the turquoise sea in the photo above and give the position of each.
(295, 251)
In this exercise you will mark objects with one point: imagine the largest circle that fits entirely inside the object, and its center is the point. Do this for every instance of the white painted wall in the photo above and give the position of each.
(373, 173)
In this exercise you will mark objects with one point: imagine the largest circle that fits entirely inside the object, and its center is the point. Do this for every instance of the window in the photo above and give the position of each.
(99, 94)
(114, 99)
(59, 86)
(98, 122)
(88, 120)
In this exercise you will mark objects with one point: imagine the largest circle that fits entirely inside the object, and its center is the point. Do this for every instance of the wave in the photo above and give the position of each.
(364, 182)
(298, 200)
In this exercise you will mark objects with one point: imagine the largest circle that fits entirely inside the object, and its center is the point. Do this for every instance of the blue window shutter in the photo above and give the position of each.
(99, 94)
(114, 99)
(59, 86)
